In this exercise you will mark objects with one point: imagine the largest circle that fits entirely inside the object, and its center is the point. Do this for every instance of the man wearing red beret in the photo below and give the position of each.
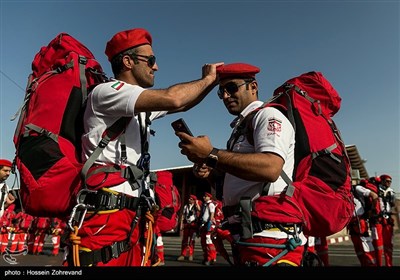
(114, 237)
(7, 198)
(190, 214)
(247, 164)
(5, 171)
(207, 226)
(382, 224)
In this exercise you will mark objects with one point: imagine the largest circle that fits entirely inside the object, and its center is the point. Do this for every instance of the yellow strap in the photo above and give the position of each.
(278, 229)
(111, 191)
(288, 262)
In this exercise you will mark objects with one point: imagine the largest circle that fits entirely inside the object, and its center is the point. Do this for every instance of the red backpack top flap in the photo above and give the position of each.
(58, 48)
(317, 87)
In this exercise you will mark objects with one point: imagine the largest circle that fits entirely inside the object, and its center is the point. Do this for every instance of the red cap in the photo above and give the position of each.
(237, 70)
(127, 39)
(385, 177)
(208, 194)
(5, 162)
(363, 182)
(193, 197)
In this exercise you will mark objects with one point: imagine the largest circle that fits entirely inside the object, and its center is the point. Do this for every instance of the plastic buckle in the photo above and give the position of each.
(109, 252)
(82, 60)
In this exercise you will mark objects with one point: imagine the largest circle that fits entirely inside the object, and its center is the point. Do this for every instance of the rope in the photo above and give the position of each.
(149, 237)
(76, 241)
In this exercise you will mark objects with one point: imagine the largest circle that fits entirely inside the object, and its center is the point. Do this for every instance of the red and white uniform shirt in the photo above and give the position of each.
(272, 133)
(106, 104)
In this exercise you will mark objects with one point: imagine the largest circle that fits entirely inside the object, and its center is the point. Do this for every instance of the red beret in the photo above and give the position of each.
(193, 197)
(127, 39)
(4, 162)
(385, 177)
(363, 182)
(237, 70)
(208, 194)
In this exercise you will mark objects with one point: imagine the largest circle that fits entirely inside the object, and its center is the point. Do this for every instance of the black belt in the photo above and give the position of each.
(104, 254)
(104, 200)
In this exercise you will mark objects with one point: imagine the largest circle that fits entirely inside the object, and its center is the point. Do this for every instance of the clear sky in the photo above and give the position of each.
(355, 44)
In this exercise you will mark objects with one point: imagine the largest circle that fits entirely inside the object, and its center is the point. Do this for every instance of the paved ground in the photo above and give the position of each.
(342, 259)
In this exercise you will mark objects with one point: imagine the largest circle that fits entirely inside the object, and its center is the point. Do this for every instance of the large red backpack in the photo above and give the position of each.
(169, 201)
(48, 134)
(319, 197)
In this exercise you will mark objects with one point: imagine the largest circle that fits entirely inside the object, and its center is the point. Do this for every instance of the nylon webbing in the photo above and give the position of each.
(82, 78)
(109, 134)
(40, 130)
(290, 188)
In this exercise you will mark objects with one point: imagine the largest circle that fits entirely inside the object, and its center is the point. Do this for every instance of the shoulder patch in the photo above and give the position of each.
(274, 125)
(118, 85)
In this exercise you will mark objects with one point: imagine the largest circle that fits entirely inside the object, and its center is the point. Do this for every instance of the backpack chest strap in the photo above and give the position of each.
(105, 199)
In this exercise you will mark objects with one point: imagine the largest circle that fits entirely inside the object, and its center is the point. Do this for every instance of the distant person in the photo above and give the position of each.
(358, 227)
(5, 171)
(41, 228)
(207, 227)
(191, 213)
(128, 96)
(385, 222)
(6, 221)
(57, 228)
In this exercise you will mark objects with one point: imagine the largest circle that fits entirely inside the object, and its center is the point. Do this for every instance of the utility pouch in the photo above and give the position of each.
(245, 213)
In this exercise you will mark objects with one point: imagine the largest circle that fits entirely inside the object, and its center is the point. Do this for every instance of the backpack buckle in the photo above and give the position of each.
(81, 196)
(109, 252)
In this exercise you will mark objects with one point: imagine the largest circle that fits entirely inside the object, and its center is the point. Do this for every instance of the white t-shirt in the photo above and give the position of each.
(208, 209)
(106, 104)
(272, 133)
(358, 204)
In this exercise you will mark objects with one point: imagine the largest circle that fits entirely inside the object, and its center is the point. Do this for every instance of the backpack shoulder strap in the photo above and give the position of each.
(109, 134)
(144, 161)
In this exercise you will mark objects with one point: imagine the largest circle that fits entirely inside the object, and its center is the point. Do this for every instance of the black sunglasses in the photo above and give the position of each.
(150, 59)
(230, 88)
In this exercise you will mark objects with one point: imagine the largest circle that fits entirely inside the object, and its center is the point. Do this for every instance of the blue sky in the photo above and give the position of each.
(355, 44)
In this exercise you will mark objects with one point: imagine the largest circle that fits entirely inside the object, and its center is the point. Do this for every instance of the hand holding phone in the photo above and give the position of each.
(180, 126)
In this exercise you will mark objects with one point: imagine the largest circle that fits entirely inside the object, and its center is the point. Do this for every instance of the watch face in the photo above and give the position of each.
(212, 161)
(212, 158)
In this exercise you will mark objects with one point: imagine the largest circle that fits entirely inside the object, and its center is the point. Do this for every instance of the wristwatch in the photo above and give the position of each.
(212, 158)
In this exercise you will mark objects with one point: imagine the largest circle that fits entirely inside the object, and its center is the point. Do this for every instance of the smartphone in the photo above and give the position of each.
(181, 126)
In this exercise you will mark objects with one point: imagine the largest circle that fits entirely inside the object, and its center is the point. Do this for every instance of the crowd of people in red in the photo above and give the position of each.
(20, 231)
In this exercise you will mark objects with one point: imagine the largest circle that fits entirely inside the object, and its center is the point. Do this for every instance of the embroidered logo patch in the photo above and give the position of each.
(274, 125)
(117, 85)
